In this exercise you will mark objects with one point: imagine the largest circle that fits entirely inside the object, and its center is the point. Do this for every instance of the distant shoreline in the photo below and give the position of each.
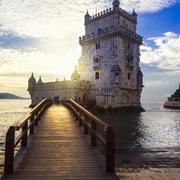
(10, 96)
(14, 98)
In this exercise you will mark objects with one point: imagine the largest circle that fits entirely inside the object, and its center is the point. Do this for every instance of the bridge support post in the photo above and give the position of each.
(25, 134)
(32, 125)
(9, 150)
(85, 126)
(93, 137)
(79, 119)
(36, 114)
(110, 143)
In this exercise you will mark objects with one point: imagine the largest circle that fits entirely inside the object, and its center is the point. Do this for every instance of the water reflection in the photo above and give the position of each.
(147, 138)
(155, 128)
(126, 128)
(160, 129)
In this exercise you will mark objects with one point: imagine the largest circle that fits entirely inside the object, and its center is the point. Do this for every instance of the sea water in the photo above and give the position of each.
(10, 113)
(146, 138)
(156, 129)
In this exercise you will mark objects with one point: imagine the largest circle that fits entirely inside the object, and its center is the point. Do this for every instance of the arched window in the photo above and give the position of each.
(97, 75)
(99, 31)
(98, 45)
(96, 60)
(129, 76)
(116, 73)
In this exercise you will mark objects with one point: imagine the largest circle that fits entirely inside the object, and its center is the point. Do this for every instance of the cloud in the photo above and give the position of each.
(42, 37)
(55, 18)
(39, 18)
(144, 6)
(17, 66)
(165, 54)
(17, 62)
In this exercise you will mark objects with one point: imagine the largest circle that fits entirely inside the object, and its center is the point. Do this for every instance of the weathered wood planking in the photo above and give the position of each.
(59, 150)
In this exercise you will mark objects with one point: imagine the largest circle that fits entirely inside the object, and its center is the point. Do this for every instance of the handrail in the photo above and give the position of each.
(27, 127)
(90, 123)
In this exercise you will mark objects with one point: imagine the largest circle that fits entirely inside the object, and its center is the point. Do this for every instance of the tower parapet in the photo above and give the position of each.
(121, 31)
(111, 22)
(116, 9)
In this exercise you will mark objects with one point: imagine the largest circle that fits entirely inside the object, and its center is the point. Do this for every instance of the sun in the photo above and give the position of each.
(63, 64)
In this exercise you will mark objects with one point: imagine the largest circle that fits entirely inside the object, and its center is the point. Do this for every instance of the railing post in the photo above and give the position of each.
(41, 111)
(9, 150)
(79, 118)
(36, 114)
(32, 124)
(93, 137)
(110, 140)
(85, 126)
(25, 134)
(76, 116)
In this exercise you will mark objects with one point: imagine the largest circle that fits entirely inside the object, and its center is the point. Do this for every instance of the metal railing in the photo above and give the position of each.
(90, 123)
(27, 127)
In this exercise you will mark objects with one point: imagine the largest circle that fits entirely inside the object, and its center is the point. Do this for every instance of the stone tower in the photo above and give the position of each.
(110, 58)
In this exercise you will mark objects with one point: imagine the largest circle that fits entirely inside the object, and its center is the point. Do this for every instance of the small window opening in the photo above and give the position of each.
(97, 75)
(98, 45)
(129, 76)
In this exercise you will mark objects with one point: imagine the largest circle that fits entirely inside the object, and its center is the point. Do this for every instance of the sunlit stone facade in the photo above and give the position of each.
(110, 57)
(108, 69)
(66, 89)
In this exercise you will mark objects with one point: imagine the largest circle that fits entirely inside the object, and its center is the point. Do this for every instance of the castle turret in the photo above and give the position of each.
(31, 84)
(134, 15)
(86, 18)
(116, 4)
(75, 75)
(40, 80)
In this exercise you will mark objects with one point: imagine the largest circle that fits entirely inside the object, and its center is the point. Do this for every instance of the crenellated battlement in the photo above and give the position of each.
(111, 30)
(62, 85)
(99, 15)
(131, 17)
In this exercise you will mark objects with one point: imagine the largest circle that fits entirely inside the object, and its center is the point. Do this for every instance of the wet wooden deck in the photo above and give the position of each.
(59, 150)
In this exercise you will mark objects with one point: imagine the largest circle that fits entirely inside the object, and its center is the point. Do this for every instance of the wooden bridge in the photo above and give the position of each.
(53, 146)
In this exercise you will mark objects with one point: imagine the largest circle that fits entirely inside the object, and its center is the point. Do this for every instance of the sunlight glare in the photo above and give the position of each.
(58, 56)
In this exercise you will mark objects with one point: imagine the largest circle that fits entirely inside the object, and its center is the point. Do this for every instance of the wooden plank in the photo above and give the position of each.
(59, 150)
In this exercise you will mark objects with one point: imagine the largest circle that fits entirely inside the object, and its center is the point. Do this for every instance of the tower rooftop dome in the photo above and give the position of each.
(75, 75)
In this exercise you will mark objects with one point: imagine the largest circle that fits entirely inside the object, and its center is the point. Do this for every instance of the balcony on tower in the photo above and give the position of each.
(96, 62)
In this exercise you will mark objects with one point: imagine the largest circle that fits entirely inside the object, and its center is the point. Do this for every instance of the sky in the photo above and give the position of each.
(43, 37)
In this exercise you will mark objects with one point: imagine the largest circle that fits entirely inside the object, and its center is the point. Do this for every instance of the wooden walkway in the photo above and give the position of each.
(59, 150)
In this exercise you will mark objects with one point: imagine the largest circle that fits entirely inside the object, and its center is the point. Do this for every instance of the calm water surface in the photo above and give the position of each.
(156, 128)
(10, 112)
(150, 138)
